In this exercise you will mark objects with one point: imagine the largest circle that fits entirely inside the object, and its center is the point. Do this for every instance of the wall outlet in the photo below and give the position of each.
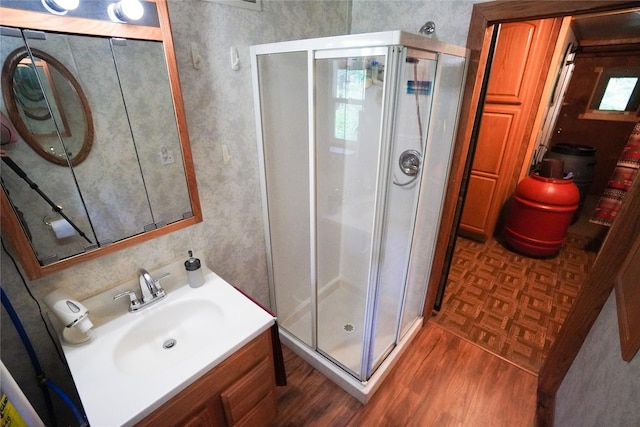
(166, 156)
(196, 59)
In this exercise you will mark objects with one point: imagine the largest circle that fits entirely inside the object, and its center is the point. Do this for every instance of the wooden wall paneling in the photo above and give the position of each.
(607, 137)
(627, 303)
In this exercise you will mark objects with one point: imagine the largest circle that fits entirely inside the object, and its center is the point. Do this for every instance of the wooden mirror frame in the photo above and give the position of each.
(597, 288)
(11, 227)
(8, 70)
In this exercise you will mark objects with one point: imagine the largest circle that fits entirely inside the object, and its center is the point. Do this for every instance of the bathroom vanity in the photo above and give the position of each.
(238, 392)
(200, 356)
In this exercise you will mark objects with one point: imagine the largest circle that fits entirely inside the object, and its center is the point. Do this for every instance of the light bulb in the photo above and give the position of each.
(132, 9)
(60, 7)
(126, 11)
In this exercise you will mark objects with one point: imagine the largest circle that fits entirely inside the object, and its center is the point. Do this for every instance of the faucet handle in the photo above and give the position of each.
(162, 276)
(156, 281)
(133, 299)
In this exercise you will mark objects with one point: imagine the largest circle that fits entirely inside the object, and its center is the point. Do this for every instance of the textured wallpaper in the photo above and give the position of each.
(600, 388)
(219, 109)
(450, 16)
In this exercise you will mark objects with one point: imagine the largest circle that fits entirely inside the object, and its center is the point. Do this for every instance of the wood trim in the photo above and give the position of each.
(64, 24)
(180, 114)
(482, 17)
(550, 81)
(479, 50)
(21, 245)
(627, 303)
(509, 11)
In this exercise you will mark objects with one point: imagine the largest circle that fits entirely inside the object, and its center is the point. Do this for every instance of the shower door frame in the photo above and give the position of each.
(385, 134)
(388, 40)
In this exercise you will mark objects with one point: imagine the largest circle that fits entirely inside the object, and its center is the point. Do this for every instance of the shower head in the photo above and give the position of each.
(428, 28)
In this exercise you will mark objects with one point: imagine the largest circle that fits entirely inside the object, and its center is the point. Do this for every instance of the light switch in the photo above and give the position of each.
(226, 154)
(196, 59)
(235, 59)
(166, 156)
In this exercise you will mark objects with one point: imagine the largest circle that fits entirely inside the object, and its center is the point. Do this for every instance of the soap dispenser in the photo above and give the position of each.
(194, 272)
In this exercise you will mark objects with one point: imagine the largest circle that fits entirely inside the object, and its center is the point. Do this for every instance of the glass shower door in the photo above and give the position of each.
(413, 110)
(349, 105)
(285, 131)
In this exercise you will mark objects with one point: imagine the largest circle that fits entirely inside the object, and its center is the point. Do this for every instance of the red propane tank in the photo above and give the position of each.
(540, 215)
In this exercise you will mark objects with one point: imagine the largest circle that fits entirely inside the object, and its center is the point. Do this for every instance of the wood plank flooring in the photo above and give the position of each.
(441, 380)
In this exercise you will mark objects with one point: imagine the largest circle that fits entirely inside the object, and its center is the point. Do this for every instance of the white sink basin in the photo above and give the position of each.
(125, 372)
(166, 335)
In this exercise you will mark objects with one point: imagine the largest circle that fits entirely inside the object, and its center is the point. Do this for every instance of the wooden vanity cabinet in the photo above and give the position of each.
(240, 391)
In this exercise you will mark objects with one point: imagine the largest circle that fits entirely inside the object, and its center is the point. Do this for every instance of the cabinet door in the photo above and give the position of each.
(239, 391)
(516, 73)
(251, 401)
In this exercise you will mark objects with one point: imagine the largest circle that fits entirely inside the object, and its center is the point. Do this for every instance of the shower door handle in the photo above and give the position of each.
(410, 162)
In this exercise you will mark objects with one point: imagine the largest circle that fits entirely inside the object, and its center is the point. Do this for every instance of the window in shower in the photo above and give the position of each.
(349, 94)
(348, 116)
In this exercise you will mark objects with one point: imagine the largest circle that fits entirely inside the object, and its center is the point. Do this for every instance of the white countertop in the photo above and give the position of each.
(112, 397)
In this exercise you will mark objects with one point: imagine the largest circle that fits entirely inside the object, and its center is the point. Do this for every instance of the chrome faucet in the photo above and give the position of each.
(150, 291)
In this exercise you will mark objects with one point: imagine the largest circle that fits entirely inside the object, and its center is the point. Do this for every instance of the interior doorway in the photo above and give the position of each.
(496, 306)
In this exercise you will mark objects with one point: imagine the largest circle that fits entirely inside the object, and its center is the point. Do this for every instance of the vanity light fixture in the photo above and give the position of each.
(60, 7)
(125, 11)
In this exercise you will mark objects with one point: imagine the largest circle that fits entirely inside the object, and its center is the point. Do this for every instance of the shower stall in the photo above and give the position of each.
(354, 138)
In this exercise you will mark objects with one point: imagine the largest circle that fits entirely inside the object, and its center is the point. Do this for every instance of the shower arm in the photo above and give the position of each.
(415, 78)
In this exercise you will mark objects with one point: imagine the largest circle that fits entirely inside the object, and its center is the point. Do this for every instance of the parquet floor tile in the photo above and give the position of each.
(510, 304)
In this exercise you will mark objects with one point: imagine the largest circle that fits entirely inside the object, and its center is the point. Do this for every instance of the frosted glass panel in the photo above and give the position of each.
(436, 172)
(414, 108)
(283, 96)
(348, 117)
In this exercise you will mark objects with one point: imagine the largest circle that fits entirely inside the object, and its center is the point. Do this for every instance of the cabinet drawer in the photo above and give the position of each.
(249, 392)
(263, 414)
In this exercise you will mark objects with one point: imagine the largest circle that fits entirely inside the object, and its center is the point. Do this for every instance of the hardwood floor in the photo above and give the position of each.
(441, 380)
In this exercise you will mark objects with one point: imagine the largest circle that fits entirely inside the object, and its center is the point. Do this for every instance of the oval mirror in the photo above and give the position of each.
(47, 106)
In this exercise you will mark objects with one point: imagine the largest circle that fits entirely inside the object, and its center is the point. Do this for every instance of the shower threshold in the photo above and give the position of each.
(361, 390)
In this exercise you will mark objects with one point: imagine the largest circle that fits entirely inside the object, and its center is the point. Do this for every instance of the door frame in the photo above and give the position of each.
(598, 285)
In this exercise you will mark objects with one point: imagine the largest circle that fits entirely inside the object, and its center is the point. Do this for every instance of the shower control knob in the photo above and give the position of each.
(410, 161)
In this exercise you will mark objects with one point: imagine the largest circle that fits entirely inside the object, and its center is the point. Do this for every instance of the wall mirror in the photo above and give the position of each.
(44, 101)
(109, 147)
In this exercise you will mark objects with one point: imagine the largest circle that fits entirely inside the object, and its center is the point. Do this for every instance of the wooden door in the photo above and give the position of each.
(517, 74)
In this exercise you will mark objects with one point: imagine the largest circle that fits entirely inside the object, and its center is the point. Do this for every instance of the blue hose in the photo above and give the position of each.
(23, 334)
(82, 420)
